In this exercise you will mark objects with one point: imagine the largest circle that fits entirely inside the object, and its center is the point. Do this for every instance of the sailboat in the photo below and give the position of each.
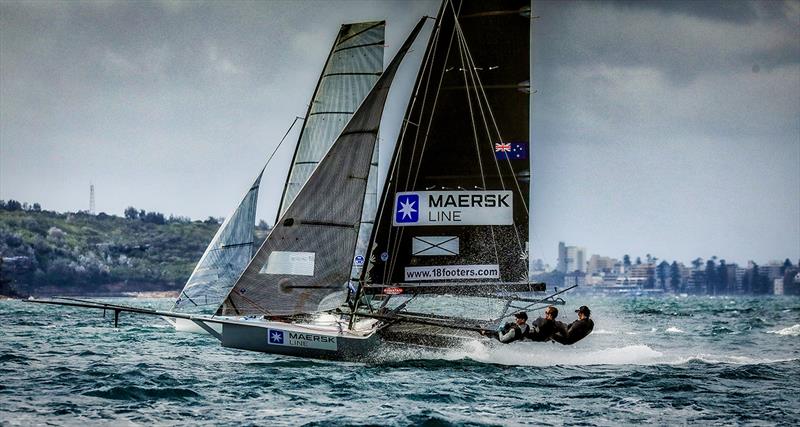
(351, 69)
(452, 219)
(453, 216)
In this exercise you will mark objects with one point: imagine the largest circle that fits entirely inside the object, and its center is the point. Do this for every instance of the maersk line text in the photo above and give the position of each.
(444, 216)
(468, 200)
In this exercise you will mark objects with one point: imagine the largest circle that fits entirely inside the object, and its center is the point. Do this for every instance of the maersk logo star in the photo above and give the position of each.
(407, 209)
(275, 337)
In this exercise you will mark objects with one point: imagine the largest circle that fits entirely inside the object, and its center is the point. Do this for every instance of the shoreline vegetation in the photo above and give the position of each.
(46, 253)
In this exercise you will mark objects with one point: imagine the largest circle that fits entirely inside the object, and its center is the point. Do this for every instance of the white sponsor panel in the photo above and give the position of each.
(452, 272)
(416, 208)
(434, 246)
(295, 263)
(300, 339)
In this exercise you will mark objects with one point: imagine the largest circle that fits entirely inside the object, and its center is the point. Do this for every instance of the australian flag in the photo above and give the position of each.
(514, 150)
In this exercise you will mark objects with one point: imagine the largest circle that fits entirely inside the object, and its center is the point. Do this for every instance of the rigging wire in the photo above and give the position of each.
(399, 233)
(296, 118)
(477, 84)
(461, 43)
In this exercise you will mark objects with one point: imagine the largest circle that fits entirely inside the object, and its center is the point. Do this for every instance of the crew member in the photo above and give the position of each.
(543, 328)
(576, 330)
(514, 331)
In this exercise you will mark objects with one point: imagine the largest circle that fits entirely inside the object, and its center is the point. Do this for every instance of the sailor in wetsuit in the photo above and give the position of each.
(514, 331)
(543, 328)
(576, 330)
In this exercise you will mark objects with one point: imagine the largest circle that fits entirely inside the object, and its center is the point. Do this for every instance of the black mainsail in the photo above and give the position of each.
(304, 264)
(455, 203)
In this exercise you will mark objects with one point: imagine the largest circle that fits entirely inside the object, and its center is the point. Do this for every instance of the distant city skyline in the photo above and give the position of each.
(664, 127)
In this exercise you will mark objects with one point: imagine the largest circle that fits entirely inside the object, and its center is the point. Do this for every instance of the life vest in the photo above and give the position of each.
(519, 333)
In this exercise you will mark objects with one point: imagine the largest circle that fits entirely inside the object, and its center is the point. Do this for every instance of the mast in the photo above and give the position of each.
(304, 264)
(455, 204)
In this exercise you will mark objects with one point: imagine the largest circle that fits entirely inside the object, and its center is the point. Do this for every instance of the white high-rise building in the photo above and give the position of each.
(571, 258)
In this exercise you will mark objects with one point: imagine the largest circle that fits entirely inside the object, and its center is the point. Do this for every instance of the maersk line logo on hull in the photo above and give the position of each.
(454, 208)
(301, 339)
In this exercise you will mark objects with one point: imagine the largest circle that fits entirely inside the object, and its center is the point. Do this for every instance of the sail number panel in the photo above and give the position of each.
(416, 208)
(294, 263)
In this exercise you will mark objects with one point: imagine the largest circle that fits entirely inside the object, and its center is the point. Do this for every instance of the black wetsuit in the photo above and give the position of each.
(573, 333)
(542, 329)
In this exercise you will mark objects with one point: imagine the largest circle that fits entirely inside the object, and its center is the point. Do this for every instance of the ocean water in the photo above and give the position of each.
(662, 361)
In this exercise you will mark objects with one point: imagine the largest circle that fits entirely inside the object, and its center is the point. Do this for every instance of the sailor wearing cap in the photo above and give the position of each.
(515, 331)
(576, 330)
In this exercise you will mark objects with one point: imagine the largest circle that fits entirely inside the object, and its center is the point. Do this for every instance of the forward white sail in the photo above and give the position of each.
(224, 258)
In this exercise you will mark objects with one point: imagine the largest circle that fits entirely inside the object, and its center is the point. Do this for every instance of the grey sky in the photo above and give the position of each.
(664, 127)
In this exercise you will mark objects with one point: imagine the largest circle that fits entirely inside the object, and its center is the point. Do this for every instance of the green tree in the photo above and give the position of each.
(722, 278)
(154, 218)
(711, 277)
(675, 277)
(131, 213)
(626, 261)
(662, 271)
(786, 264)
(13, 205)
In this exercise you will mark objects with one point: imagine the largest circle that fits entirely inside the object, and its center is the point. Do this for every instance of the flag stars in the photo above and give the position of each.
(407, 208)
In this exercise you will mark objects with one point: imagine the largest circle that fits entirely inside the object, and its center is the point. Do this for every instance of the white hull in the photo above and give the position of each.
(185, 325)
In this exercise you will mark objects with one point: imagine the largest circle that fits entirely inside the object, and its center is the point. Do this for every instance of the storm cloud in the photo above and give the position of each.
(670, 128)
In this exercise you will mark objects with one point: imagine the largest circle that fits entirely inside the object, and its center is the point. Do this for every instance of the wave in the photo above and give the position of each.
(713, 359)
(674, 330)
(550, 354)
(536, 354)
(143, 394)
(792, 331)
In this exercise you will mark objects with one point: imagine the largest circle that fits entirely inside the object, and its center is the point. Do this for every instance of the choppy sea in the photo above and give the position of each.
(663, 361)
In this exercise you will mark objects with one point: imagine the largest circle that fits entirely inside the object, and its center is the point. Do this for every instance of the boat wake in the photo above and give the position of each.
(546, 354)
(792, 331)
(538, 354)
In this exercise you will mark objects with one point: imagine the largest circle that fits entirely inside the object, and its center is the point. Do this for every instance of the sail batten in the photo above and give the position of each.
(353, 66)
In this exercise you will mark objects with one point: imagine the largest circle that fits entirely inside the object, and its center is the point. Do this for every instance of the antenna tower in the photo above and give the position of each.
(91, 198)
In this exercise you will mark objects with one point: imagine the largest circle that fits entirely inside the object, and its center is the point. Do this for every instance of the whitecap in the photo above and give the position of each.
(792, 331)
(727, 359)
(549, 354)
(674, 330)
